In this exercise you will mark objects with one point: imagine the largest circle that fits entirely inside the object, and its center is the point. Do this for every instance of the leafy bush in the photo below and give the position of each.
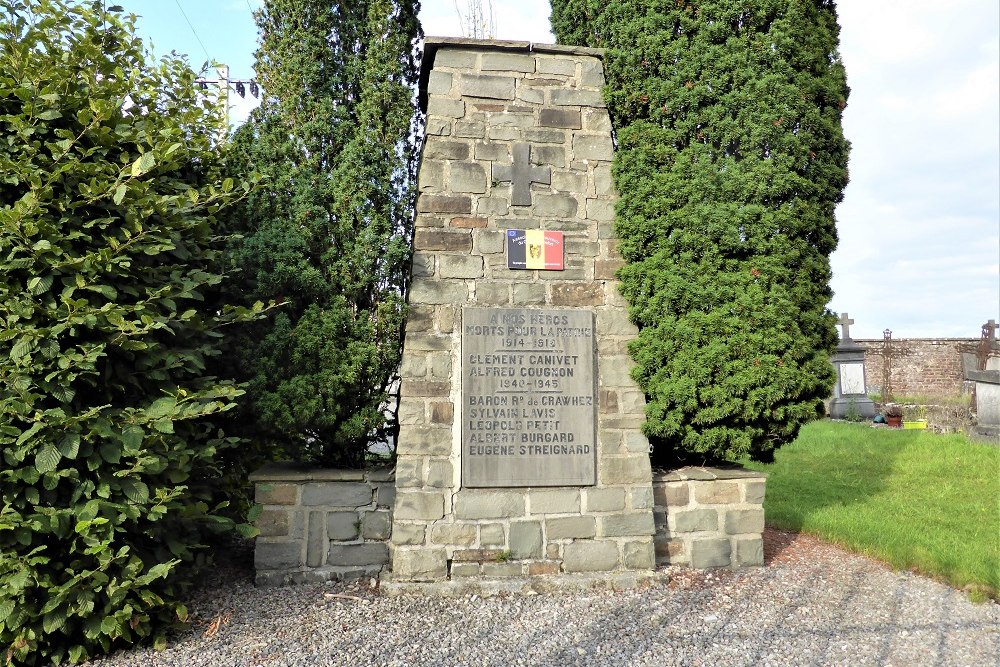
(730, 161)
(329, 232)
(109, 187)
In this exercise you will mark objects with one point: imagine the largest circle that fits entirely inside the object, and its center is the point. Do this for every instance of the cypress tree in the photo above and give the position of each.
(730, 161)
(329, 232)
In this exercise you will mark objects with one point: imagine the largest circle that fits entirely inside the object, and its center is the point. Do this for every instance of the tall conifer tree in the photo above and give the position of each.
(730, 161)
(329, 232)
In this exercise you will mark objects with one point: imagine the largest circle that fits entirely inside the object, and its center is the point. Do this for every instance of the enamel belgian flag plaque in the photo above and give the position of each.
(534, 249)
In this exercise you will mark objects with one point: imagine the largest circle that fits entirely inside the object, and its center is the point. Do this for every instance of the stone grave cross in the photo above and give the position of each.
(521, 174)
(845, 322)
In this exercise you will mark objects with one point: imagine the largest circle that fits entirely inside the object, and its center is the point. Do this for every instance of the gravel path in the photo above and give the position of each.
(812, 604)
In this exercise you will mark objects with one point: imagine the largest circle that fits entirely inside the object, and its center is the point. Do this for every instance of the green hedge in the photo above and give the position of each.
(730, 161)
(109, 185)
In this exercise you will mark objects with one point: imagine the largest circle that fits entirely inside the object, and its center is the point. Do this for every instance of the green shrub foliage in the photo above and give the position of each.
(329, 232)
(730, 161)
(109, 186)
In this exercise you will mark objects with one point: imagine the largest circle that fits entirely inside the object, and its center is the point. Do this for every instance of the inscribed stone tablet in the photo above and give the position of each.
(852, 379)
(528, 397)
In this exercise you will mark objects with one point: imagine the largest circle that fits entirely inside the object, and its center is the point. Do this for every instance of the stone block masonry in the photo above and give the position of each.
(318, 524)
(518, 137)
(709, 517)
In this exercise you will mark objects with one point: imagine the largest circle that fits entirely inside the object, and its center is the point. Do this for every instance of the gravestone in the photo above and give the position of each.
(850, 395)
(520, 450)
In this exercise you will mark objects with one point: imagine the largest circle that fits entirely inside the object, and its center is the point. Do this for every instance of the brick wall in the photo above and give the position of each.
(928, 366)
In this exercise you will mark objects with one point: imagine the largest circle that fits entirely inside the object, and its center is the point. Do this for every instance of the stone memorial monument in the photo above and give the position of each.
(520, 449)
(850, 396)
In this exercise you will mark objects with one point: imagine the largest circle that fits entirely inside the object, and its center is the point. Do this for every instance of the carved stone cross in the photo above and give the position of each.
(990, 330)
(521, 174)
(845, 322)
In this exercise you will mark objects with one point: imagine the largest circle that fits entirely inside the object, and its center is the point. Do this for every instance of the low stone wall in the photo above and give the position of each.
(709, 517)
(321, 524)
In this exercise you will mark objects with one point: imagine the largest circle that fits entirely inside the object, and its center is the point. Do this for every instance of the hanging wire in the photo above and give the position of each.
(193, 31)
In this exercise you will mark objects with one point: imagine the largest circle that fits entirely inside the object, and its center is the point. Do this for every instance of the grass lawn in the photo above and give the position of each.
(913, 499)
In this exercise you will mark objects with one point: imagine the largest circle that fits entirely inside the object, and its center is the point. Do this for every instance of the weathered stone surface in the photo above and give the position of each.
(488, 242)
(565, 118)
(570, 527)
(554, 65)
(710, 553)
(543, 568)
(491, 150)
(526, 539)
(272, 523)
(556, 206)
(428, 203)
(442, 106)
(673, 494)
(269, 493)
(466, 223)
(592, 147)
(336, 494)
(277, 555)
(415, 505)
(626, 470)
(596, 120)
(602, 210)
(502, 569)
(483, 85)
(317, 542)
(641, 497)
(578, 294)
(567, 181)
(436, 127)
(443, 239)
(690, 521)
(604, 500)
(587, 556)
(529, 294)
(621, 525)
(491, 534)
(367, 553)
(494, 294)
(467, 177)
(671, 551)
(461, 266)
(408, 533)
(420, 565)
(478, 555)
(456, 58)
(591, 73)
(442, 413)
(414, 388)
(749, 552)
(440, 473)
(342, 525)
(639, 555)
(447, 150)
(465, 569)
(423, 267)
(376, 525)
(433, 440)
(439, 292)
(716, 493)
(545, 136)
(385, 495)
(510, 62)
(744, 521)
(554, 501)
(528, 95)
(439, 83)
(755, 492)
(440, 363)
(492, 206)
(570, 97)
(488, 504)
(463, 534)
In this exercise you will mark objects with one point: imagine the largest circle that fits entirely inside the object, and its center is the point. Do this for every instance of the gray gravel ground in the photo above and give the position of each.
(812, 604)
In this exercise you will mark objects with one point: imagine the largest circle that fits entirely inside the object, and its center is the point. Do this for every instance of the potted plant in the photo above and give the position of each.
(893, 415)
(920, 422)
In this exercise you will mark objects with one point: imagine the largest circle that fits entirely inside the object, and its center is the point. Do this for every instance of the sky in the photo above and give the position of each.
(919, 227)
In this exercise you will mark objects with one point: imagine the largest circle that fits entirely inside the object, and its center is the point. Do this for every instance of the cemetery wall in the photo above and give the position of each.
(925, 366)
(709, 517)
(321, 524)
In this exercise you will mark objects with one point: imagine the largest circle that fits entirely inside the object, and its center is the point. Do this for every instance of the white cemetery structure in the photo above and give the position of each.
(850, 398)
(520, 451)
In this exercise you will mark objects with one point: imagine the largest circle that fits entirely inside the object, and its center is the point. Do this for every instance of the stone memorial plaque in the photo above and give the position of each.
(852, 379)
(528, 397)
